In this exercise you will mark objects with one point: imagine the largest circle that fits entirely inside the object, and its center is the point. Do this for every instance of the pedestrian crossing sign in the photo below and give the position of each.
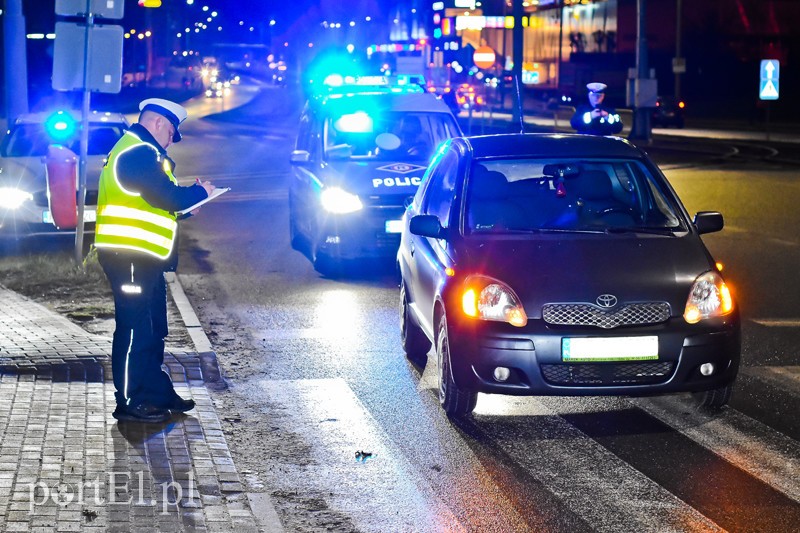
(769, 88)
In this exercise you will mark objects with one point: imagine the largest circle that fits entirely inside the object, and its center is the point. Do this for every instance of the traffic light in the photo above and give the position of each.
(60, 126)
(149, 3)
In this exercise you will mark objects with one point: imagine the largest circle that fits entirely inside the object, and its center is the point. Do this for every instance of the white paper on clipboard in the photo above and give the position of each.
(217, 192)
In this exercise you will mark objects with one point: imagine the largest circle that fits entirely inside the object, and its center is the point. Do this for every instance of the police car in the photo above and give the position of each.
(360, 155)
(24, 199)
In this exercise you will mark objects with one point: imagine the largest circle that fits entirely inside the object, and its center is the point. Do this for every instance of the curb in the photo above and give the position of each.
(260, 503)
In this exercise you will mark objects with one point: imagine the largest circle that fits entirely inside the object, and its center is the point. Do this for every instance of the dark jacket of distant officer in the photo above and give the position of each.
(595, 118)
(136, 240)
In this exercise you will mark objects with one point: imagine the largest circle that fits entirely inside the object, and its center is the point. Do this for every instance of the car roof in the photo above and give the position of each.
(419, 102)
(522, 145)
(96, 116)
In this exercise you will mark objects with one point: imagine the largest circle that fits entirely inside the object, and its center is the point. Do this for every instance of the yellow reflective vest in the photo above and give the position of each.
(124, 220)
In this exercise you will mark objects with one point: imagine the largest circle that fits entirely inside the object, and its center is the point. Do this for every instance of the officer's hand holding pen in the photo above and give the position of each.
(206, 185)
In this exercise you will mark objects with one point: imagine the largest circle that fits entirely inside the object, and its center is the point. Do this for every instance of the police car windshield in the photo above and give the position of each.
(386, 136)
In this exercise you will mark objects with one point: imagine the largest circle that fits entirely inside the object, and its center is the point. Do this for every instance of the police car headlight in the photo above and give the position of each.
(12, 198)
(337, 201)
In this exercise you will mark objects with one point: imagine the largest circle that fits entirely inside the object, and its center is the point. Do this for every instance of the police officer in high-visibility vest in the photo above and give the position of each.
(135, 237)
(596, 118)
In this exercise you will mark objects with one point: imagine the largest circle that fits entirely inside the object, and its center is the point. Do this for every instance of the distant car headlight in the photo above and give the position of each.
(489, 299)
(12, 198)
(337, 201)
(710, 297)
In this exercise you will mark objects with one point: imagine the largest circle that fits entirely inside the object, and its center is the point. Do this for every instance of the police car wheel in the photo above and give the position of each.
(415, 344)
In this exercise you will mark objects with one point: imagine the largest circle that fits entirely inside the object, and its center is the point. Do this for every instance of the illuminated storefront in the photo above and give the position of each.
(578, 26)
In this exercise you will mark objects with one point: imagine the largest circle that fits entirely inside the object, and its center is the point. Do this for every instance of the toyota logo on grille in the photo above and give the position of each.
(606, 300)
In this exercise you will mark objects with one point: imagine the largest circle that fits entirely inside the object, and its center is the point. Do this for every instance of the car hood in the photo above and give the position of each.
(28, 173)
(375, 178)
(581, 268)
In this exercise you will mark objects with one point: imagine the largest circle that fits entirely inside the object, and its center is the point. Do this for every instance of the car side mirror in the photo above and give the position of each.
(300, 157)
(708, 221)
(426, 226)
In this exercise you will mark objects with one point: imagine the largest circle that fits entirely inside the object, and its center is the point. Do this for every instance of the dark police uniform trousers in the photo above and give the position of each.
(140, 301)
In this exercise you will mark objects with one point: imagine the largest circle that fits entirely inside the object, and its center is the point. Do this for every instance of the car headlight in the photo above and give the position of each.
(12, 198)
(489, 299)
(337, 201)
(710, 297)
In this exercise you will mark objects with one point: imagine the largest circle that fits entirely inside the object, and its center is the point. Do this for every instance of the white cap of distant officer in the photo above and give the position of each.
(596, 87)
(174, 113)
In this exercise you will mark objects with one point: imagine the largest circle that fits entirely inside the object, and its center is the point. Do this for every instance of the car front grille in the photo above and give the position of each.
(637, 314)
(608, 373)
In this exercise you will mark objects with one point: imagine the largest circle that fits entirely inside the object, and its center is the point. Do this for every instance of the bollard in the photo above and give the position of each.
(61, 170)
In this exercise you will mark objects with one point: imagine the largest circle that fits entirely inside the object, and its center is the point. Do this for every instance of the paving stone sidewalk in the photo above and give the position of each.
(67, 465)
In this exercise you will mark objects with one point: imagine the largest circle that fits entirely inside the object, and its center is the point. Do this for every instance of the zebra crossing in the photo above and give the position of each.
(540, 463)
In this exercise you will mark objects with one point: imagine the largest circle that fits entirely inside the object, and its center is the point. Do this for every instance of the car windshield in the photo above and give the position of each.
(395, 136)
(596, 195)
(32, 140)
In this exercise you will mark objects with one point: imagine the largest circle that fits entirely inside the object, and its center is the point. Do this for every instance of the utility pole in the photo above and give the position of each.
(15, 60)
(677, 67)
(644, 88)
(560, 45)
(517, 52)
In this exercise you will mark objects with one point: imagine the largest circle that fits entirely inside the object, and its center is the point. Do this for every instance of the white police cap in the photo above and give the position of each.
(173, 112)
(596, 87)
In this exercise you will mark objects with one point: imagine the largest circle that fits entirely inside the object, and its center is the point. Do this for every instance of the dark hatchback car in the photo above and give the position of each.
(542, 264)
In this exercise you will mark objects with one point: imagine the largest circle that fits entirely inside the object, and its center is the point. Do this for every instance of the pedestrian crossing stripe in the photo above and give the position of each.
(769, 90)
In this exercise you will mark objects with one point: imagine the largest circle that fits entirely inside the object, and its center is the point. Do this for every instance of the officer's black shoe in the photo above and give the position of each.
(179, 405)
(143, 412)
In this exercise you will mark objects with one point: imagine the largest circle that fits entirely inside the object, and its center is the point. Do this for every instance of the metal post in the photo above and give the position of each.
(560, 46)
(518, 110)
(518, 57)
(641, 115)
(15, 60)
(79, 230)
(678, 47)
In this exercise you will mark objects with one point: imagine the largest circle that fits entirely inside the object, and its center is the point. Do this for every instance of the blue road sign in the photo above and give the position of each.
(769, 86)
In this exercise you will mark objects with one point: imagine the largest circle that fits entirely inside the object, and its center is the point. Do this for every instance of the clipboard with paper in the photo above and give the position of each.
(217, 192)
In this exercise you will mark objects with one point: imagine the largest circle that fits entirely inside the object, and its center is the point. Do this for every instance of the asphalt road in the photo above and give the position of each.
(323, 411)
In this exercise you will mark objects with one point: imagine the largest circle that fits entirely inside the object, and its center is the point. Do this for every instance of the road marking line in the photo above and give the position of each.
(744, 442)
(381, 493)
(596, 485)
(778, 322)
(783, 377)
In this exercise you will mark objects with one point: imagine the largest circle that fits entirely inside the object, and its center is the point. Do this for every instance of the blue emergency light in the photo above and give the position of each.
(60, 126)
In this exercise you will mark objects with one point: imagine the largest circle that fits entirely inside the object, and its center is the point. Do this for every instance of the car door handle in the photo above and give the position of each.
(412, 248)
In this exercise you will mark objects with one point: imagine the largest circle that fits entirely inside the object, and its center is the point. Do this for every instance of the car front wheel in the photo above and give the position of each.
(415, 343)
(714, 399)
(456, 402)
